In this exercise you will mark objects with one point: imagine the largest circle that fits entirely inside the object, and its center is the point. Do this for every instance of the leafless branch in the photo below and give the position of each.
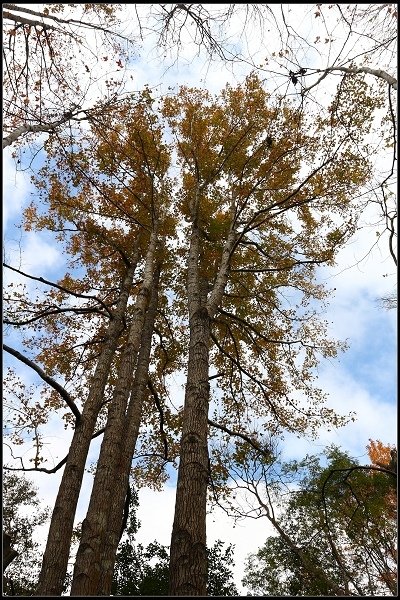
(52, 382)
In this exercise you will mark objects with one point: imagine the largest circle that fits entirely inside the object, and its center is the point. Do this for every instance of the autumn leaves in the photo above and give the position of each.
(199, 239)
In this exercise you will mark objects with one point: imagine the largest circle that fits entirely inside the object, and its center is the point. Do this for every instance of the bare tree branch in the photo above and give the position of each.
(59, 287)
(52, 382)
(266, 452)
(43, 469)
(353, 70)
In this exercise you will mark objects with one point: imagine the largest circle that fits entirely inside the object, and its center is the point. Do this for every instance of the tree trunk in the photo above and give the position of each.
(107, 482)
(55, 559)
(188, 553)
(130, 435)
(188, 558)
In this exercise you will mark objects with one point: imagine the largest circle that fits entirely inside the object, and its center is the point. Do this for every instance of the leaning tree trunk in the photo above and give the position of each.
(55, 559)
(133, 418)
(87, 570)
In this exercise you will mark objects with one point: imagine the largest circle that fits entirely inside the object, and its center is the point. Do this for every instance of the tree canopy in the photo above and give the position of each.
(342, 517)
(23, 514)
(191, 228)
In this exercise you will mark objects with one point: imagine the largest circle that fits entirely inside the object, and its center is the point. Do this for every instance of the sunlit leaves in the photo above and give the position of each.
(265, 190)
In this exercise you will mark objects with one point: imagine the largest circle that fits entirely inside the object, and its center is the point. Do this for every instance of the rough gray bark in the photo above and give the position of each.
(188, 556)
(130, 435)
(106, 486)
(55, 558)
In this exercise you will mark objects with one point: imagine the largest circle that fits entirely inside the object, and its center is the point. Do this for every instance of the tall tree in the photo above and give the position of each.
(262, 200)
(249, 172)
(96, 243)
(123, 421)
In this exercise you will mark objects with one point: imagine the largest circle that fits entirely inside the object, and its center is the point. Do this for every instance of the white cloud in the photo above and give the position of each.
(40, 254)
(24, 250)
(16, 187)
(375, 419)
(150, 504)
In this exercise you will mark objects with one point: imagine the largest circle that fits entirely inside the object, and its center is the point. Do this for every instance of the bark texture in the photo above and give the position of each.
(110, 482)
(188, 553)
(188, 558)
(55, 559)
(130, 434)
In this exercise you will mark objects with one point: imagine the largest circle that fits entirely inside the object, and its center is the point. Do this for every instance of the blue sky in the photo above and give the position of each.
(363, 379)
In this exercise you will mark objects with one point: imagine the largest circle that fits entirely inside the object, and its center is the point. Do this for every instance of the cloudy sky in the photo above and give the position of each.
(363, 379)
